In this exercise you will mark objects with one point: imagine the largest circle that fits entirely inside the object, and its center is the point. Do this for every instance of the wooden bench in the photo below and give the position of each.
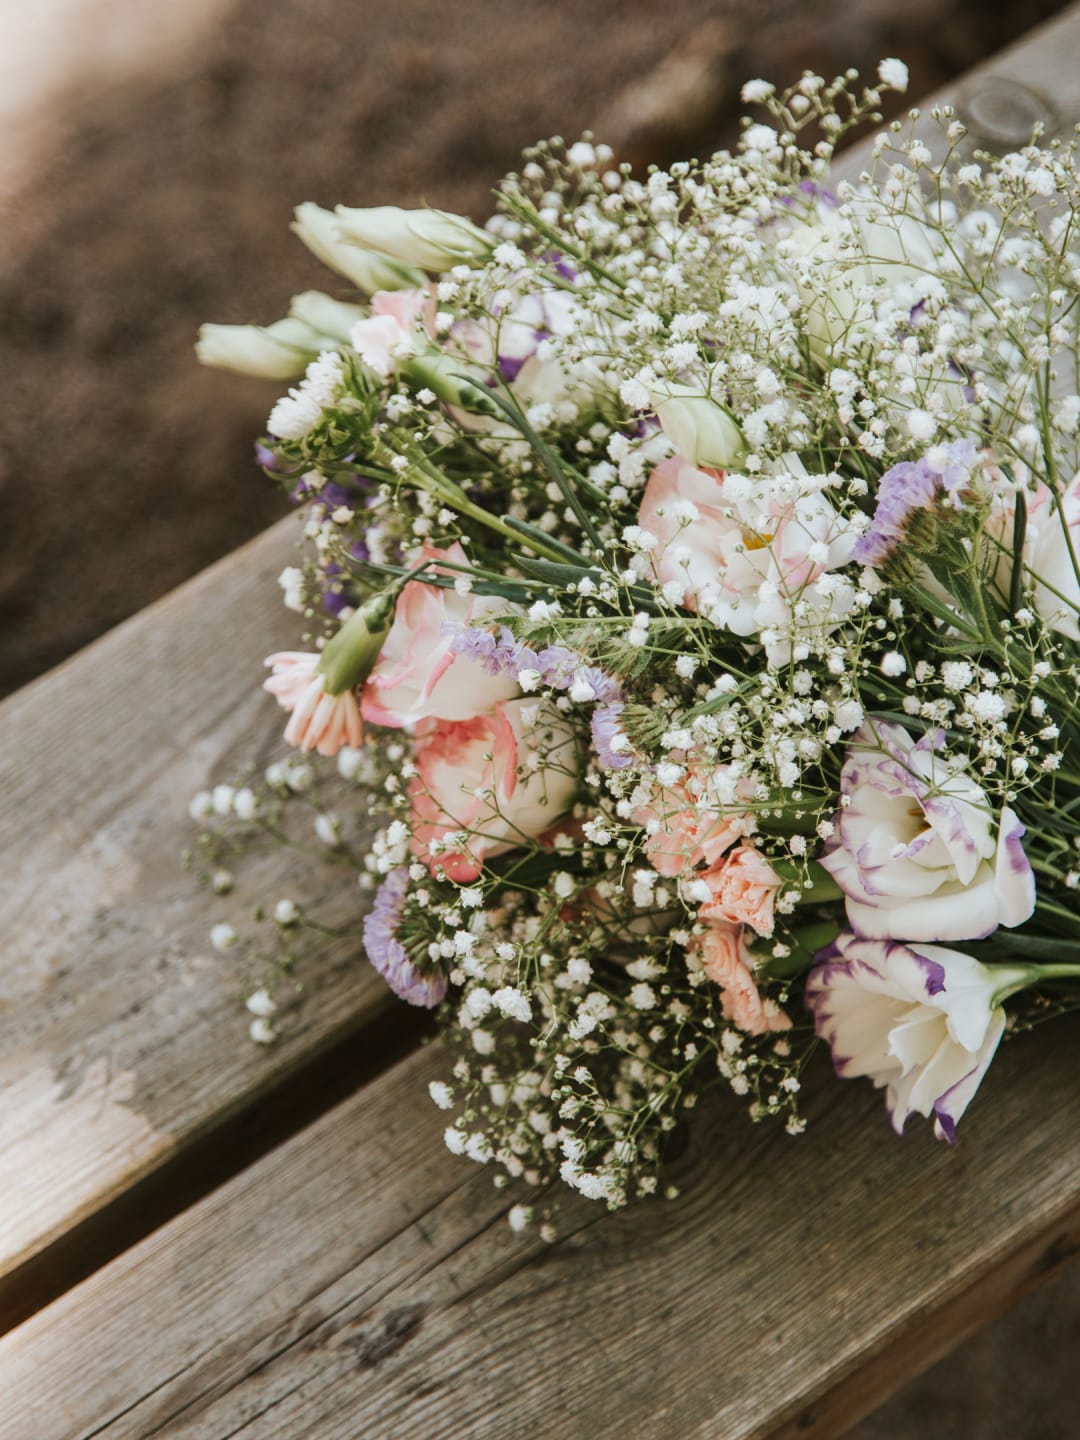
(200, 1237)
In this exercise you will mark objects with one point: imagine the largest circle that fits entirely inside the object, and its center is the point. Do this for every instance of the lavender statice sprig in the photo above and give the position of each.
(908, 488)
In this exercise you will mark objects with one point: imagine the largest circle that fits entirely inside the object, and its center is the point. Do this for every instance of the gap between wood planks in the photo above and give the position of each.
(294, 1100)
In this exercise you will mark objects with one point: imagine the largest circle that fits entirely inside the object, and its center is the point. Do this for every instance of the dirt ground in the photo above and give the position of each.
(159, 196)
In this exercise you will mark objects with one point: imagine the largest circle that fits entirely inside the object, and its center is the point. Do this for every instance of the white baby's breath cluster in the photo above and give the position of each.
(694, 592)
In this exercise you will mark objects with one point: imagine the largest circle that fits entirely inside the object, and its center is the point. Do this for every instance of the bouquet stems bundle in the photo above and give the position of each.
(694, 593)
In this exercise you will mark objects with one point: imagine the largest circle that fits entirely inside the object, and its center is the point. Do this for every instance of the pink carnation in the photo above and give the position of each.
(727, 960)
(744, 887)
(319, 721)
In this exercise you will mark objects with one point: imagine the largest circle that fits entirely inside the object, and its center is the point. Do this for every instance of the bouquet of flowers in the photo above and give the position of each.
(695, 596)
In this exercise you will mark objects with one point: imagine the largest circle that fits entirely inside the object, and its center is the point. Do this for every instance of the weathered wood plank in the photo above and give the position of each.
(113, 1013)
(358, 1282)
(121, 1033)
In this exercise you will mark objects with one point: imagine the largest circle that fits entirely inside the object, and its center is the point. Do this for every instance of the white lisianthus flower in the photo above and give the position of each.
(320, 231)
(699, 429)
(429, 239)
(917, 849)
(1051, 540)
(281, 351)
(921, 1020)
(515, 346)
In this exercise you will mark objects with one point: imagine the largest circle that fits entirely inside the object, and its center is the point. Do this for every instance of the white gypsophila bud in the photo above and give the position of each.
(261, 1031)
(286, 912)
(893, 73)
(700, 430)
(281, 351)
(291, 581)
(261, 1003)
(245, 806)
(430, 239)
(369, 271)
(519, 1217)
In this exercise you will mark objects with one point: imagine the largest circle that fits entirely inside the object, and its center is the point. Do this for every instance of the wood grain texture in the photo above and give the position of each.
(122, 1036)
(359, 1282)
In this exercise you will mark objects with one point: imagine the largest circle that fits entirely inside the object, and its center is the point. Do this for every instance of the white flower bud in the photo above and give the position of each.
(281, 351)
(431, 239)
(321, 233)
(324, 314)
(700, 430)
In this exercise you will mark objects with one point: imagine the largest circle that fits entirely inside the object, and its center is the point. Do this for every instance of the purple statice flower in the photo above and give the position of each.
(558, 667)
(605, 687)
(813, 191)
(910, 486)
(334, 494)
(265, 456)
(497, 654)
(386, 952)
(334, 600)
(610, 742)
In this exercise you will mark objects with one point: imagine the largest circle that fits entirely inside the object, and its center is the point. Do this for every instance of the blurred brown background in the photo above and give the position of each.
(150, 161)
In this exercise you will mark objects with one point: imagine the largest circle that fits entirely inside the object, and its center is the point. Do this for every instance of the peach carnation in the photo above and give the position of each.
(744, 887)
(418, 675)
(690, 824)
(726, 959)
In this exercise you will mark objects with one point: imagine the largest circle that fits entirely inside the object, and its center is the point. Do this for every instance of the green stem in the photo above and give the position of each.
(1057, 972)
(1023, 977)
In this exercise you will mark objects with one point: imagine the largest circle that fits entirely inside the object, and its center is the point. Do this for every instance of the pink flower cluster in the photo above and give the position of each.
(694, 836)
(492, 769)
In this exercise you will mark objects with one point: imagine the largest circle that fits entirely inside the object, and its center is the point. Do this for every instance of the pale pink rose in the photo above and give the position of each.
(744, 887)
(750, 554)
(727, 961)
(391, 329)
(686, 828)
(319, 721)
(417, 675)
(491, 782)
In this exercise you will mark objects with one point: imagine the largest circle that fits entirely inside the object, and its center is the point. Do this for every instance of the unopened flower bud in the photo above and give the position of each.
(324, 314)
(700, 430)
(281, 351)
(320, 231)
(431, 239)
